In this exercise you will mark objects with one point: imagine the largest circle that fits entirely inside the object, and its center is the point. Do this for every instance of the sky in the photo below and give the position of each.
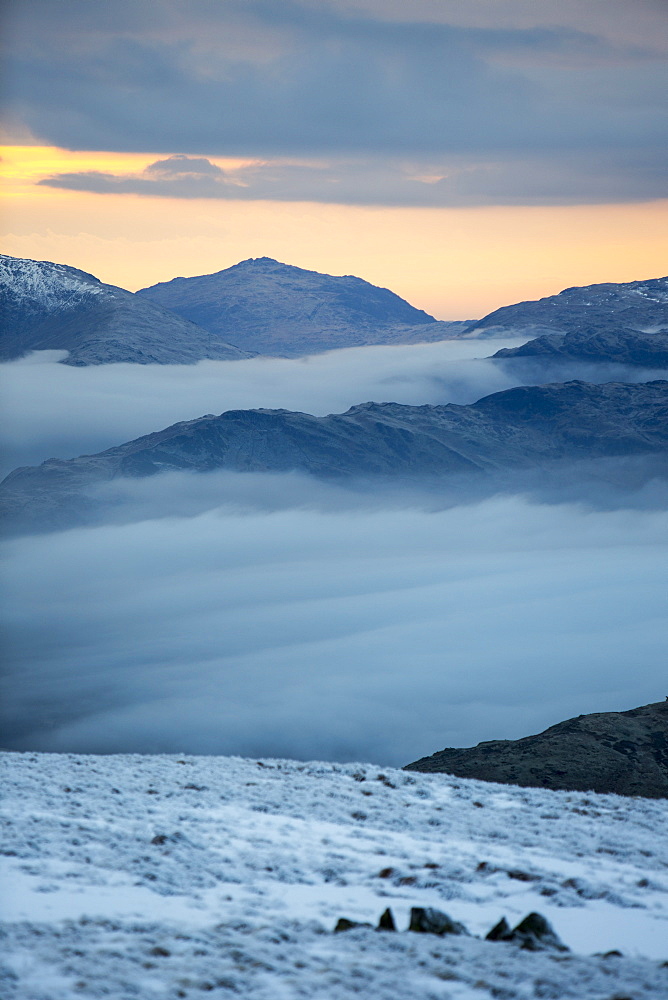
(465, 154)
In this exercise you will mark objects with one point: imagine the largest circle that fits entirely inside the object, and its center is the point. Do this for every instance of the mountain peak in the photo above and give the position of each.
(280, 309)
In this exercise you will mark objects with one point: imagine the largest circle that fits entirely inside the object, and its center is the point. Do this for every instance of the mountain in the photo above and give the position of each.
(625, 323)
(621, 752)
(525, 427)
(277, 309)
(46, 306)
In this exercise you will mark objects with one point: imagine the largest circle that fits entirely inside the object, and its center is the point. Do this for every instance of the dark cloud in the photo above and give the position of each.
(311, 79)
(565, 179)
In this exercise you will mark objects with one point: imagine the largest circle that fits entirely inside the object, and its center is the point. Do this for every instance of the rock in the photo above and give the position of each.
(430, 921)
(499, 932)
(535, 933)
(386, 922)
(621, 752)
(343, 924)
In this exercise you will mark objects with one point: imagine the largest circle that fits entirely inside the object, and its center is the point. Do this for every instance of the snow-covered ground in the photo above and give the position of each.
(164, 877)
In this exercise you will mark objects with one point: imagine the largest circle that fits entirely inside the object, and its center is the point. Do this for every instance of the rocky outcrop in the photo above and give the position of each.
(621, 752)
(46, 306)
(278, 309)
(526, 427)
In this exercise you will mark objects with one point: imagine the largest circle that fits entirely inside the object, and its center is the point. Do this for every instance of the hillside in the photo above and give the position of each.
(177, 876)
(46, 306)
(621, 752)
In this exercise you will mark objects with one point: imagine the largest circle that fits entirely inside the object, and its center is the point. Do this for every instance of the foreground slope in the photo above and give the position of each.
(278, 309)
(46, 306)
(622, 752)
(165, 877)
(530, 426)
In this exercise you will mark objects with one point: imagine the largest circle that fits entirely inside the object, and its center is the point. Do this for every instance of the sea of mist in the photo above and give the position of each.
(53, 410)
(379, 634)
(281, 615)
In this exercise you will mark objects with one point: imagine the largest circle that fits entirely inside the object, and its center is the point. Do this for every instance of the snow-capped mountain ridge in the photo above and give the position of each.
(625, 323)
(44, 285)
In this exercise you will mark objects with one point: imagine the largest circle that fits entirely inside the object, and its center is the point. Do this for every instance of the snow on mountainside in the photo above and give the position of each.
(278, 309)
(165, 877)
(42, 285)
(46, 306)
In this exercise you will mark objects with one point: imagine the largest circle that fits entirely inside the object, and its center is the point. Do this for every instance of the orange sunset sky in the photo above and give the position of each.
(453, 262)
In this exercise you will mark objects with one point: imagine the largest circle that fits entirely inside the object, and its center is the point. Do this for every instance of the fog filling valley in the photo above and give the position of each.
(51, 410)
(280, 615)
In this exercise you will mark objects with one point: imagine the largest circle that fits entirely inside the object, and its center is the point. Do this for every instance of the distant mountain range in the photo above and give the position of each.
(624, 323)
(621, 752)
(519, 428)
(45, 306)
(276, 309)
(263, 306)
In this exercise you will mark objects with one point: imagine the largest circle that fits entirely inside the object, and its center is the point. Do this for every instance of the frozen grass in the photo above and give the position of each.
(161, 877)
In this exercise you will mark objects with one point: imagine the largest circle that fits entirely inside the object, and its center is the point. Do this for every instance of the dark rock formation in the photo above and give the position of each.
(427, 920)
(386, 922)
(499, 932)
(533, 933)
(343, 924)
(621, 752)
(45, 306)
(277, 309)
(531, 426)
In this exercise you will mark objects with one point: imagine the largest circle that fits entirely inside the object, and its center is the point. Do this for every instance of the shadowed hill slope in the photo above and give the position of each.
(621, 752)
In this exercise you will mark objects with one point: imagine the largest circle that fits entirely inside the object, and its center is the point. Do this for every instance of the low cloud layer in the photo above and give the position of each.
(54, 410)
(378, 634)
(279, 615)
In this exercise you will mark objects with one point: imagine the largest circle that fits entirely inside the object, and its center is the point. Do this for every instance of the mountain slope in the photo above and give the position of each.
(278, 309)
(46, 306)
(522, 427)
(621, 752)
(168, 876)
(626, 323)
